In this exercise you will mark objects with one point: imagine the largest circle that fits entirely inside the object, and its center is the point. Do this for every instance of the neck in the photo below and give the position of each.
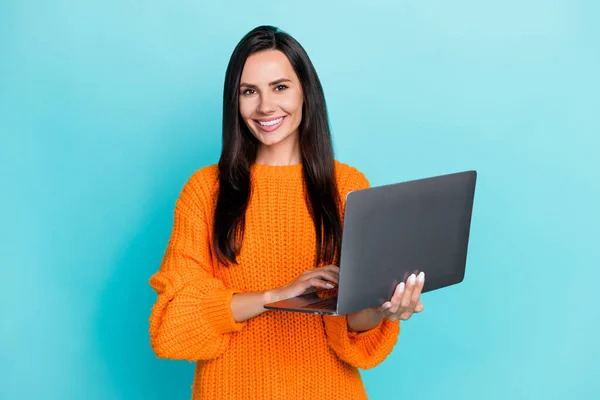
(286, 152)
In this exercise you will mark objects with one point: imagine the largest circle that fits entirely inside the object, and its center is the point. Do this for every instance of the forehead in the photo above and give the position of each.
(267, 66)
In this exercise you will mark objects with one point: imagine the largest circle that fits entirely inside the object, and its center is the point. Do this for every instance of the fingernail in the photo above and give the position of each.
(421, 277)
(385, 306)
(329, 285)
(401, 287)
(412, 279)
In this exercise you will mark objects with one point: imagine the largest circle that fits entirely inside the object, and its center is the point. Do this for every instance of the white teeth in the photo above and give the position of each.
(271, 123)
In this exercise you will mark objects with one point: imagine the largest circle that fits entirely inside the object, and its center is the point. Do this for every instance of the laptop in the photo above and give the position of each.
(391, 232)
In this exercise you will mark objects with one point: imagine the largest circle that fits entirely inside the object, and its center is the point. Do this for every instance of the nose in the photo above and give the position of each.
(266, 104)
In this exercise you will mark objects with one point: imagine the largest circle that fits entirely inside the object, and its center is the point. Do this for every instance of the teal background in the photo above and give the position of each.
(107, 107)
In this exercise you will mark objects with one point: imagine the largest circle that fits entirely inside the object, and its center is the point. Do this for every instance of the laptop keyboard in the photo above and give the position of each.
(328, 304)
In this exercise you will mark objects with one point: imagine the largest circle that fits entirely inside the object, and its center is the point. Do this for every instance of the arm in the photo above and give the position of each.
(248, 305)
(361, 349)
(364, 320)
(362, 339)
(191, 318)
(195, 315)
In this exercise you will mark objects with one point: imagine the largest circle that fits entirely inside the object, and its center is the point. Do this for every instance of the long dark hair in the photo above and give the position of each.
(240, 147)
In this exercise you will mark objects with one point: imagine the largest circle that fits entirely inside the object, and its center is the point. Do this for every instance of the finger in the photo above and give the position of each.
(405, 315)
(332, 268)
(325, 275)
(331, 271)
(419, 307)
(421, 280)
(410, 287)
(417, 290)
(396, 298)
(319, 272)
(319, 283)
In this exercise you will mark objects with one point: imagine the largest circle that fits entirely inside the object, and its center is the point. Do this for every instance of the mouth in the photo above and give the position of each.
(269, 125)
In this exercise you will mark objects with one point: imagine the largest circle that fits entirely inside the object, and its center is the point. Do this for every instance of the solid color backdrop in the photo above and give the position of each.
(107, 107)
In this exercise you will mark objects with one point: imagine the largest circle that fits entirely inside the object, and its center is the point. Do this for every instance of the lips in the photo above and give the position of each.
(269, 125)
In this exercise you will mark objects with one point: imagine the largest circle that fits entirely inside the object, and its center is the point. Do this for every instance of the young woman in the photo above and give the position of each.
(265, 225)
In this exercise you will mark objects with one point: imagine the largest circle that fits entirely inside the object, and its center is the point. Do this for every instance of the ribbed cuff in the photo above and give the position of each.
(337, 328)
(217, 311)
(215, 303)
(361, 349)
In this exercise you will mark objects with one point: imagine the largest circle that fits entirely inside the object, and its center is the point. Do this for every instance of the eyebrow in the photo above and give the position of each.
(277, 82)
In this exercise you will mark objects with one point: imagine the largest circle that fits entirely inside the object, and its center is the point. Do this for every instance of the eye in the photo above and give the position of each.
(248, 92)
(280, 87)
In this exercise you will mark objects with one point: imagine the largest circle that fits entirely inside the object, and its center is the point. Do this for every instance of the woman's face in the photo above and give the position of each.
(271, 98)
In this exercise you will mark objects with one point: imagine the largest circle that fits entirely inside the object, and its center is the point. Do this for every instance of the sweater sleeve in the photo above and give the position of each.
(191, 318)
(360, 349)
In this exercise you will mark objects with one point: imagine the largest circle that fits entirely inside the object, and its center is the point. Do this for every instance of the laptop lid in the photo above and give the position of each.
(395, 230)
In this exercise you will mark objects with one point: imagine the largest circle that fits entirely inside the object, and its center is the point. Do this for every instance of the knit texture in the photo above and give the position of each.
(276, 355)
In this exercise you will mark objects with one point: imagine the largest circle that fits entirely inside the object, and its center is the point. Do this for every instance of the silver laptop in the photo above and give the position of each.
(391, 232)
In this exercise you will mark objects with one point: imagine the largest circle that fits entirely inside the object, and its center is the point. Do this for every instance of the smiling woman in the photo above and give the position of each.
(263, 225)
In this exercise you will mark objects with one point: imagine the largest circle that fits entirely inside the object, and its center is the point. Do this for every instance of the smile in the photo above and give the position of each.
(271, 125)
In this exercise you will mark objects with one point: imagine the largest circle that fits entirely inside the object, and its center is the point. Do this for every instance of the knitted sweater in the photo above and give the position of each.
(276, 355)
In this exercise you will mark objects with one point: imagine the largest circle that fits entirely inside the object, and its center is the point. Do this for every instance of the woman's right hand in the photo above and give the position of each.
(318, 278)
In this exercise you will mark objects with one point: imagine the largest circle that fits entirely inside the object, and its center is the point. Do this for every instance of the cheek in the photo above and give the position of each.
(246, 108)
(292, 105)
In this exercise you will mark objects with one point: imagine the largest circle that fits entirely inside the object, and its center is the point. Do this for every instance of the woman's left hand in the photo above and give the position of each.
(405, 300)
(403, 304)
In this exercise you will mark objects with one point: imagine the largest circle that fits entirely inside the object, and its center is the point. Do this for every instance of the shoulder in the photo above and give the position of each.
(205, 178)
(199, 190)
(349, 178)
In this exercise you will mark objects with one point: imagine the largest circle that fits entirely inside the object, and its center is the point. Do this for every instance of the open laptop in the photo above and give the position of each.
(391, 232)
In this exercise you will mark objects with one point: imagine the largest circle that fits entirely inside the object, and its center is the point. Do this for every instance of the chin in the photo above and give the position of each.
(270, 141)
(273, 138)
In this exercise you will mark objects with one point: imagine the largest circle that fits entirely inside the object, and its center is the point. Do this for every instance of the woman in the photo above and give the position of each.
(244, 235)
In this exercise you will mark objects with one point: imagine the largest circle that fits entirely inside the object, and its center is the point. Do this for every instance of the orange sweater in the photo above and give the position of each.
(276, 355)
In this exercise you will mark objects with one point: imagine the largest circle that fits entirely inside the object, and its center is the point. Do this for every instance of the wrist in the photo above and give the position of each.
(363, 320)
(270, 296)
